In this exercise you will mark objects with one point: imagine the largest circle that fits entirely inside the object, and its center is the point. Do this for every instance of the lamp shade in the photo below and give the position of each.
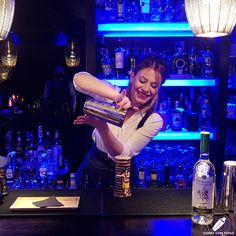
(211, 18)
(7, 8)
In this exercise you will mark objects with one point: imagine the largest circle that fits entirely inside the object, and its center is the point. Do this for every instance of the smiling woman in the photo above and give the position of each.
(140, 100)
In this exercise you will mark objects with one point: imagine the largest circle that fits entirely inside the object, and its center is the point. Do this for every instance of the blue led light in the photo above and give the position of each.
(145, 30)
(174, 82)
(180, 135)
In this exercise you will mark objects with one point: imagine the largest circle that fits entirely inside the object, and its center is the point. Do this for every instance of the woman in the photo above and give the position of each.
(141, 123)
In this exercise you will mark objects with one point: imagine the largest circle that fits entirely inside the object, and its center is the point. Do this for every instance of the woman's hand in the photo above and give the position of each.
(89, 120)
(123, 102)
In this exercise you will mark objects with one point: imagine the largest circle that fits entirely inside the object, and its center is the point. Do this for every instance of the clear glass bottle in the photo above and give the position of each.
(106, 64)
(207, 63)
(203, 185)
(119, 60)
(179, 60)
(176, 118)
(57, 150)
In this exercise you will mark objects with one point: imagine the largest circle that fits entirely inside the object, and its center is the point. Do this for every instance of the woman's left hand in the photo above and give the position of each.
(88, 120)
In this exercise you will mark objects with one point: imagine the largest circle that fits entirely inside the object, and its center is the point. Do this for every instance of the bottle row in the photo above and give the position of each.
(140, 11)
(34, 162)
(165, 165)
(191, 113)
(120, 61)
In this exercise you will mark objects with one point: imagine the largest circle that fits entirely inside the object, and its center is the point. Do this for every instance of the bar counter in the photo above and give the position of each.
(147, 212)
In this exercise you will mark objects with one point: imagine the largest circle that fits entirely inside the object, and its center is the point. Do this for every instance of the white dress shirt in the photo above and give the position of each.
(133, 139)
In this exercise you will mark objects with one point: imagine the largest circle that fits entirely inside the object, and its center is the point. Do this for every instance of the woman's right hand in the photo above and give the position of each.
(123, 102)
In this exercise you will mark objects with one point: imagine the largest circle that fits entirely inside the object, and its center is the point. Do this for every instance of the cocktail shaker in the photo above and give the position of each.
(104, 111)
(227, 198)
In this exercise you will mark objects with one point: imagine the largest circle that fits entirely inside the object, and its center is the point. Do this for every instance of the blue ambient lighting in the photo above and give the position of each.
(179, 135)
(173, 82)
(145, 30)
(61, 39)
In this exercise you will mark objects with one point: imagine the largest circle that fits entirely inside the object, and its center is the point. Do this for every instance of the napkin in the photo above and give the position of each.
(48, 202)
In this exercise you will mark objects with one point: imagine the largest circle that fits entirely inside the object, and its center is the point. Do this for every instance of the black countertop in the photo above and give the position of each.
(147, 212)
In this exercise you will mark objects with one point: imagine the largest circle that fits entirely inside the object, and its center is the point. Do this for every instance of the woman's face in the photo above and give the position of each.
(145, 85)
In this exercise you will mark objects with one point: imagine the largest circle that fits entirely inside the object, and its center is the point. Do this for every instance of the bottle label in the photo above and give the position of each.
(203, 192)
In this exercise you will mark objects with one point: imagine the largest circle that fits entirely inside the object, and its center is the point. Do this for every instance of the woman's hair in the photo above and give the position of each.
(156, 63)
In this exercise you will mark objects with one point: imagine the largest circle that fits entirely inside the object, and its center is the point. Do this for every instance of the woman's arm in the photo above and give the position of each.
(84, 81)
(90, 85)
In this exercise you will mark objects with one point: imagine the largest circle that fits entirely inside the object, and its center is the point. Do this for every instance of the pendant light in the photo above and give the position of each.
(72, 54)
(211, 18)
(7, 8)
(8, 53)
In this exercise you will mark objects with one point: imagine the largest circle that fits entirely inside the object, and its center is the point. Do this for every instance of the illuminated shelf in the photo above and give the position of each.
(177, 29)
(174, 82)
(180, 135)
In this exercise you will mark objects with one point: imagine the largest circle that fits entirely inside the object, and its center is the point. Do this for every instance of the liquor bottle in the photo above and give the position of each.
(106, 64)
(40, 144)
(176, 118)
(156, 10)
(153, 175)
(167, 182)
(207, 63)
(145, 10)
(203, 185)
(119, 60)
(180, 179)
(132, 58)
(205, 115)
(132, 10)
(120, 10)
(179, 61)
(141, 175)
(57, 149)
(191, 119)
(4, 181)
(194, 62)
(163, 115)
(19, 147)
(168, 11)
(8, 142)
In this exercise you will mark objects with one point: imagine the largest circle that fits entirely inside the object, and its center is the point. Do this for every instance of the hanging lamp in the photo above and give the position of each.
(7, 8)
(211, 18)
(72, 54)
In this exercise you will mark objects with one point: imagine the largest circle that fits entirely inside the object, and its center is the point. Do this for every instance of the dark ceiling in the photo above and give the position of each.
(35, 25)
(48, 15)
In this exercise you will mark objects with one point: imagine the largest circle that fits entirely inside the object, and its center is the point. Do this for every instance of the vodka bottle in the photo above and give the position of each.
(203, 185)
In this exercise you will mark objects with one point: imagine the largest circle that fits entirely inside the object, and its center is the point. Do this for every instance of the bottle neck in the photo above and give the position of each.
(204, 156)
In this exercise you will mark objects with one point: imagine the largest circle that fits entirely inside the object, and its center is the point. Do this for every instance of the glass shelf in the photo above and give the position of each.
(193, 82)
(180, 135)
(177, 29)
